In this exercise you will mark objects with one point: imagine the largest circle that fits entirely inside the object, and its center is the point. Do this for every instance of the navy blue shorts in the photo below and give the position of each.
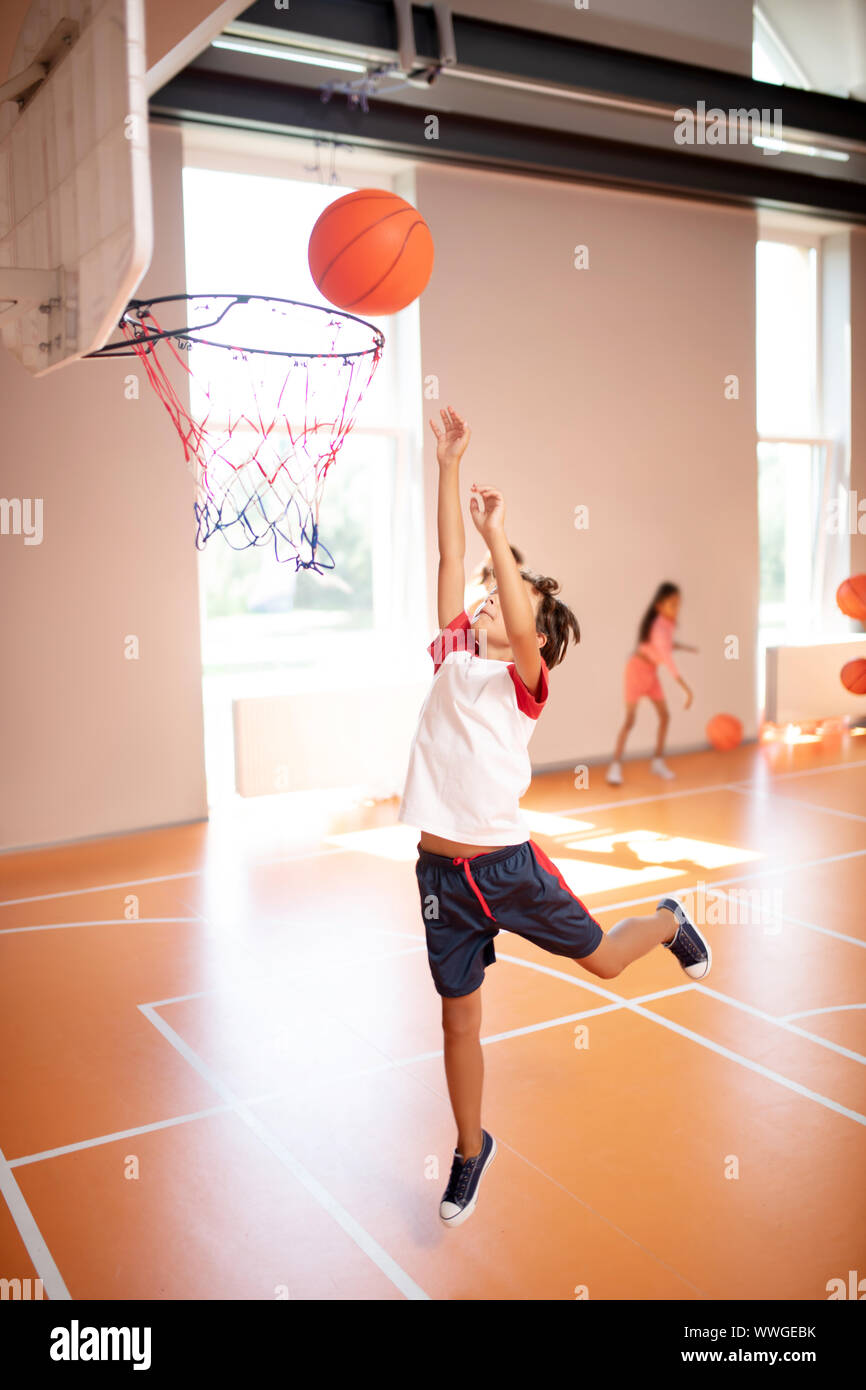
(465, 902)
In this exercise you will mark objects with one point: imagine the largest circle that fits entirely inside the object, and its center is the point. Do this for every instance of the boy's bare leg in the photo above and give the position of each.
(464, 1068)
(627, 941)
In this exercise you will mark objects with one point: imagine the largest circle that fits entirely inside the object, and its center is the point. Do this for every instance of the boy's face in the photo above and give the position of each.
(487, 617)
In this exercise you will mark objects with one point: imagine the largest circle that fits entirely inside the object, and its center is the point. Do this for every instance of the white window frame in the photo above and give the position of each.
(396, 605)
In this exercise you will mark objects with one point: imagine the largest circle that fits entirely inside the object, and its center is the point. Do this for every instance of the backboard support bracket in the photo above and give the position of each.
(24, 85)
(22, 290)
(52, 293)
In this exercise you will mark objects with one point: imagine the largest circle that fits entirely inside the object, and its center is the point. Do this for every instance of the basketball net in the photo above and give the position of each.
(263, 425)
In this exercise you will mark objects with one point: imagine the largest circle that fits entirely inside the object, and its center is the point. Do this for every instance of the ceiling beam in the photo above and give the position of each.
(214, 97)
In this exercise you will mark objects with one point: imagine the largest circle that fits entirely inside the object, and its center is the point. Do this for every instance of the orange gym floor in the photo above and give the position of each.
(223, 1076)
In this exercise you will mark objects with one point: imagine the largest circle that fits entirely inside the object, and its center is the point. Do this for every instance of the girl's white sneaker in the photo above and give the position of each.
(659, 767)
(614, 775)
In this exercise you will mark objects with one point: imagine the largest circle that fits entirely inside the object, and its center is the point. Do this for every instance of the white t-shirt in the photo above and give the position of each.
(469, 764)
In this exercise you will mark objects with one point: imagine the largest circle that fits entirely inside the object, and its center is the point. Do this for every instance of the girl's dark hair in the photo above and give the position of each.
(553, 618)
(487, 570)
(663, 591)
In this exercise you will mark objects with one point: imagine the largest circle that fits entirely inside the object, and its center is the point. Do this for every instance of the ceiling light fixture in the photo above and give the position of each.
(288, 55)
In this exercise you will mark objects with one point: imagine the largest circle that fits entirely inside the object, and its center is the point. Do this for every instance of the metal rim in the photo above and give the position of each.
(124, 348)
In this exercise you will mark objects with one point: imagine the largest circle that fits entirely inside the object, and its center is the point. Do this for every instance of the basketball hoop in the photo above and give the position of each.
(263, 424)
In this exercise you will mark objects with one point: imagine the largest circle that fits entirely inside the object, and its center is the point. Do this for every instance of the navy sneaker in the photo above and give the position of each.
(690, 948)
(461, 1194)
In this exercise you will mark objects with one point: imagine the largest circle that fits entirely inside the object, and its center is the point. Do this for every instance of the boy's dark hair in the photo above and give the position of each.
(666, 590)
(487, 570)
(554, 618)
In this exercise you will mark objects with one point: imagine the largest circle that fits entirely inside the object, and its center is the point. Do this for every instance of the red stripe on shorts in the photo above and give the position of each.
(547, 864)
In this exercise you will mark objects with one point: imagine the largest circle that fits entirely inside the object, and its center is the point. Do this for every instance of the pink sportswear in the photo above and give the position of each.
(641, 672)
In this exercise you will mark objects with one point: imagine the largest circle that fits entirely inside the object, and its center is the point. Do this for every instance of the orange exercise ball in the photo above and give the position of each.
(851, 597)
(371, 252)
(853, 676)
(725, 732)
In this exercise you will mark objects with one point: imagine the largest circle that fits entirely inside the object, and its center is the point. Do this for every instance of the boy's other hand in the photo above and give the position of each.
(487, 509)
(452, 439)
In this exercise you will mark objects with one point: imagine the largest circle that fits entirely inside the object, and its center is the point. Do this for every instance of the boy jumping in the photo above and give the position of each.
(478, 871)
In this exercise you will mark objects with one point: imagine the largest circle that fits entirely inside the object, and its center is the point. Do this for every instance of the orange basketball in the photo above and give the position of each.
(851, 597)
(724, 732)
(371, 252)
(853, 676)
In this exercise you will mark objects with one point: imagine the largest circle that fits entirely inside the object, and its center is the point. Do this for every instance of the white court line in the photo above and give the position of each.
(354, 1230)
(51, 1276)
(753, 1066)
(357, 1233)
(100, 922)
(34, 1242)
(748, 789)
(816, 771)
(616, 803)
(619, 1002)
(634, 1007)
(829, 1009)
(749, 1065)
(599, 907)
(824, 931)
(269, 1096)
(783, 1023)
(98, 888)
(168, 878)
(681, 889)
(391, 955)
(120, 1134)
(553, 1022)
(339, 849)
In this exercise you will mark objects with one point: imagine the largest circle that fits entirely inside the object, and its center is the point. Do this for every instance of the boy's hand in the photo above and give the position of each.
(452, 439)
(487, 509)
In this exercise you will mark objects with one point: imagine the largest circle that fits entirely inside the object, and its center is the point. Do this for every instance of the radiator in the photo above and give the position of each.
(330, 738)
(803, 681)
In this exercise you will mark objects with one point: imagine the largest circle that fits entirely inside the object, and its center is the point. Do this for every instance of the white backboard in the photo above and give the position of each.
(76, 226)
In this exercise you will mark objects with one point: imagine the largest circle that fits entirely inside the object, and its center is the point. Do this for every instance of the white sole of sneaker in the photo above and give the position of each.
(709, 962)
(468, 1210)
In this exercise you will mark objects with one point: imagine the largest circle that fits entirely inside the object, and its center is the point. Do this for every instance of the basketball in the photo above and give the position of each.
(851, 597)
(853, 676)
(371, 252)
(725, 732)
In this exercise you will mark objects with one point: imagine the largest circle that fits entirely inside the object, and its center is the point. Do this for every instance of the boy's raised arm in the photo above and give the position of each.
(487, 508)
(451, 442)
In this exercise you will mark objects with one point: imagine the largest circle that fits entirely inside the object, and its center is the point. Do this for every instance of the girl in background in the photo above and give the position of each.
(655, 647)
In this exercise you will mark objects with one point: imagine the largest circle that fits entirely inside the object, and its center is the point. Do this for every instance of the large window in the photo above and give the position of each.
(793, 460)
(268, 628)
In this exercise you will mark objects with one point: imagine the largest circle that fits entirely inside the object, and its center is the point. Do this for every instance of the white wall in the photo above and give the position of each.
(605, 387)
(93, 743)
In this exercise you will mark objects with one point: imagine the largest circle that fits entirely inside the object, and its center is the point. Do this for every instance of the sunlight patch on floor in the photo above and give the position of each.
(651, 847)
